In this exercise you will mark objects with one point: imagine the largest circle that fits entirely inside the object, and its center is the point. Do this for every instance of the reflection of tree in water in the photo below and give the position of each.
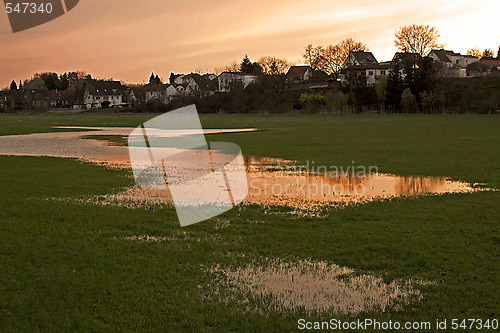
(419, 185)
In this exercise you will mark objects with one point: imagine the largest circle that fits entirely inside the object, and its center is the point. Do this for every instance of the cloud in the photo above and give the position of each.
(128, 39)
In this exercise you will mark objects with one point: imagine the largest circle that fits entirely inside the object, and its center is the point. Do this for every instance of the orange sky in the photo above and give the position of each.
(128, 39)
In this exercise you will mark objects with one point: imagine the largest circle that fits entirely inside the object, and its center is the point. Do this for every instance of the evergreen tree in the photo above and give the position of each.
(13, 85)
(394, 89)
(247, 66)
(172, 77)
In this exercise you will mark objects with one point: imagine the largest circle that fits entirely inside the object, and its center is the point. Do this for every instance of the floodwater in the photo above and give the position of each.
(271, 182)
(313, 287)
(73, 145)
(275, 182)
(285, 184)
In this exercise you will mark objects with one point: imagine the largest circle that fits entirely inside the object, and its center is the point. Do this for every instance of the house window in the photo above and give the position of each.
(382, 72)
(370, 72)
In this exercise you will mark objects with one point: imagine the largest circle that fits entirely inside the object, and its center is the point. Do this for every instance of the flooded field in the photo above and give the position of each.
(311, 286)
(78, 145)
(271, 182)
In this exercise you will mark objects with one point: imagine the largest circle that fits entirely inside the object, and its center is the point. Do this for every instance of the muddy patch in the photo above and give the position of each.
(311, 287)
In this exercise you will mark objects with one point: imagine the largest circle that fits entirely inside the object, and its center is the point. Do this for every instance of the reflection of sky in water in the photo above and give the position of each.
(299, 190)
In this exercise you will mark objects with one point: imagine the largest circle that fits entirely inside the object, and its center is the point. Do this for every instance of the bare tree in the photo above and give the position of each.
(335, 56)
(232, 67)
(332, 58)
(474, 52)
(416, 38)
(314, 56)
(273, 65)
(488, 53)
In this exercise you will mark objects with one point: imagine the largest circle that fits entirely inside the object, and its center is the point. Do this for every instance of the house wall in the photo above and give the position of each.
(154, 95)
(97, 100)
(170, 93)
(226, 80)
(470, 60)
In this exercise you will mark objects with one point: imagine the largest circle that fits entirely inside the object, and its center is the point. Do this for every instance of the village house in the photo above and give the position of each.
(406, 58)
(161, 93)
(485, 66)
(362, 69)
(155, 92)
(228, 80)
(4, 98)
(201, 86)
(135, 94)
(195, 84)
(453, 61)
(34, 98)
(180, 88)
(299, 73)
(170, 93)
(99, 94)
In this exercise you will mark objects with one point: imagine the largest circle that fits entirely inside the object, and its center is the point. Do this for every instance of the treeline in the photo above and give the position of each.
(51, 81)
(407, 89)
(413, 87)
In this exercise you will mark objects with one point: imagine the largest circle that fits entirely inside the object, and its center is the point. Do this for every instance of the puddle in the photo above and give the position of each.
(275, 182)
(313, 287)
(77, 144)
(286, 187)
(271, 182)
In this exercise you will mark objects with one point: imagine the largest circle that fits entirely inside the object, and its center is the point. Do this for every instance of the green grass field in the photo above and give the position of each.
(66, 266)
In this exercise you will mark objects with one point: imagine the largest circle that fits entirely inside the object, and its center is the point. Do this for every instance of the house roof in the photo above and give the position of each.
(444, 55)
(27, 95)
(155, 87)
(297, 71)
(490, 61)
(364, 58)
(406, 57)
(236, 74)
(53, 96)
(204, 83)
(139, 92)
(384, 66)
(192, 75)
(104, 88)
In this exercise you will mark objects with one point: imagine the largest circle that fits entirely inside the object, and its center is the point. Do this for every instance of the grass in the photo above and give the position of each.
(82, 275)
(112, 140)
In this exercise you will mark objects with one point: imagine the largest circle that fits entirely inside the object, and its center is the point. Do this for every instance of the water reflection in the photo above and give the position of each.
(278, 182)
(275, 182)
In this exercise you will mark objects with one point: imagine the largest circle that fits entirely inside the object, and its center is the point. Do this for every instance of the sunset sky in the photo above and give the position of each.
(129, 39)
